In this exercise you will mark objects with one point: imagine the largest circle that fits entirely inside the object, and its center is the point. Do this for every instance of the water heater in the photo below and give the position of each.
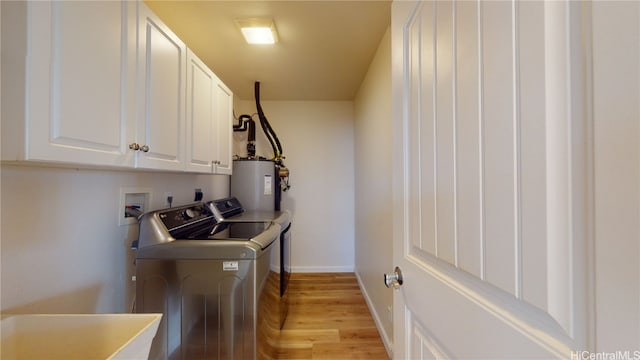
(256, 184)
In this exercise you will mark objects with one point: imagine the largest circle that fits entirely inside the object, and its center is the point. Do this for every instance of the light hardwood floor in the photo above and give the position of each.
(328, 319)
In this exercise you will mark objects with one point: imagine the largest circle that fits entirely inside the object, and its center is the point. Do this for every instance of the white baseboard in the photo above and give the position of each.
(321, 269)
(388, 343)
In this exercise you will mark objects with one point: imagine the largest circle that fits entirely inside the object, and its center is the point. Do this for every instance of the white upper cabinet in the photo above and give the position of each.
(105, 83)
(161, 93)
(223, 134)
(67, 81)
(209, 119)
(201, 105)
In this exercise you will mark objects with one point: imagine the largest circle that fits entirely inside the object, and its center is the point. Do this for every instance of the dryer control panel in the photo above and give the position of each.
(225, 208)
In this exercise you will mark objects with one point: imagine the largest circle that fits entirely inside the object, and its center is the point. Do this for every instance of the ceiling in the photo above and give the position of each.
(323, 52)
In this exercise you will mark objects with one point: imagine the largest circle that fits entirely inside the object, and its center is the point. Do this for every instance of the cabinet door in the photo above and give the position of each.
(80, 81)
(224, 121)
(201, 83)
(161, 111)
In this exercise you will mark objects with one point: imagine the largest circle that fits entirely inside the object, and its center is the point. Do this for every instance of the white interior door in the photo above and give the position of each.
(490, 227)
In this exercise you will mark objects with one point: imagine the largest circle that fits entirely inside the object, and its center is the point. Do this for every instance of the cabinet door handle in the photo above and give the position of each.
(137, 147)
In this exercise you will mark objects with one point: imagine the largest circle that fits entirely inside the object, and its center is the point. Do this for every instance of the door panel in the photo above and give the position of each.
(202, 116)
(469, 142)
(201, 84)
(532, 168)
(73, 61)
(79, 84)
(223, 135)
(162, 74)
(499, 116)
(468, 319)
(482, 180)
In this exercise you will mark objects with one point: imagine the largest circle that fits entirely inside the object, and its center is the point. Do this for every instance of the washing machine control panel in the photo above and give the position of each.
(185, 215)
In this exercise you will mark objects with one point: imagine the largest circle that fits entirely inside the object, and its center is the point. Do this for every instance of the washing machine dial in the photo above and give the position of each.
(188, 214)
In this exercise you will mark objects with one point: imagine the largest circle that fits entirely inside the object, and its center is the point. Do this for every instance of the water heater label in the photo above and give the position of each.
(267, 185)
(229, 266)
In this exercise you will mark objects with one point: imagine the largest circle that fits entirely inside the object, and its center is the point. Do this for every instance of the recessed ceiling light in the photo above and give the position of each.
(258, 30)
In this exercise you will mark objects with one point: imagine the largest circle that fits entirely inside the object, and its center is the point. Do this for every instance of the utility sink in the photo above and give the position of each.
(78, 336)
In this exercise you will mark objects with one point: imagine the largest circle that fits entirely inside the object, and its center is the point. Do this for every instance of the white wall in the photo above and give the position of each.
(62, 250)
(373, 186)
(317, 141)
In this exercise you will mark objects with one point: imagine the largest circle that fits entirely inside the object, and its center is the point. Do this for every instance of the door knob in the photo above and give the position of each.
(394, 279)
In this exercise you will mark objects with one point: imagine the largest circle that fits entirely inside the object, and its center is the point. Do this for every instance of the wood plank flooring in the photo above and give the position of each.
(328, 319)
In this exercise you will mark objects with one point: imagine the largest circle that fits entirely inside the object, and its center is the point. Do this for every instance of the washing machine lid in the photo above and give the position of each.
(234, 231)
(196, 223)
(233, 241)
